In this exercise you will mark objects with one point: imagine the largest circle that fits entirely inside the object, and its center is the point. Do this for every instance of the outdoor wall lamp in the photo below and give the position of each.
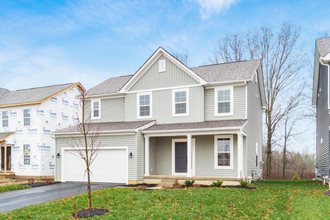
(58, 155)
(130, 155)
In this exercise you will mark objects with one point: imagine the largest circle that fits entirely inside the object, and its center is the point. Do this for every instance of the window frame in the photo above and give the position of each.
(2, 119)
(231, 105)
(187, 102)
(92, 108)
(26, 154)
(138, 105)
(216, 137)
(27, 117)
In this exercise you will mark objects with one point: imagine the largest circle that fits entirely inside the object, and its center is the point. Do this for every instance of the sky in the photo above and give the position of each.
(52, 42)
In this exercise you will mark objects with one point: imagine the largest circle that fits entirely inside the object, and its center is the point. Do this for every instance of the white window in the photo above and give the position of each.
(26, 153)
(5, 119)
(257, 154)
(144, 105)
(223, 101)
(96, 108)
(162, 66)
(223, 152)
(180, 102)
(26, 117)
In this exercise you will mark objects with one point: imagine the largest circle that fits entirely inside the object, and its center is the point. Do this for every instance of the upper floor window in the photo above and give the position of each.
(223, 152)
(96, 109)
(223, 101)
(26, 153)
(26, 116)
(144, 103)
(4, 119)
(180, 102)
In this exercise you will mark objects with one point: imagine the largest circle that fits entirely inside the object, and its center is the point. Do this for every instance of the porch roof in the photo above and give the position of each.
(196, 125)
(4, 135)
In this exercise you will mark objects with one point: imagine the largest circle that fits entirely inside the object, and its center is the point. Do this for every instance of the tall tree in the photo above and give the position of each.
(282, 60)
(182, 56)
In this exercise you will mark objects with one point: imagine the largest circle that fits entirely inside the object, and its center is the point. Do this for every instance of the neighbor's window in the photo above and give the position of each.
(223, 151)
(26, 153)
(4, 119)
(26, 116)
(144, 105)
(181, 102)
(96, 109)
(223, 101)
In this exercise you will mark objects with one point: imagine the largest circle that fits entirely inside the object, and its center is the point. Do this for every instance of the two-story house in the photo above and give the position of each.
(321, 103)
(169, 120)
(27, 117)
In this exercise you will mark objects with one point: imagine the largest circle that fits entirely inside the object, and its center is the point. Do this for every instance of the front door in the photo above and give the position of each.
(181, 157)
(8, 158)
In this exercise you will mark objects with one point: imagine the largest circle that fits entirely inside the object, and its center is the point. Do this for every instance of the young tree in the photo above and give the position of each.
(86, 144)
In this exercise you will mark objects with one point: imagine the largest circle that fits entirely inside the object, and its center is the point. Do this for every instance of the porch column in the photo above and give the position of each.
(146, 156)
(189, 155)
(240, 154)
(5, 157)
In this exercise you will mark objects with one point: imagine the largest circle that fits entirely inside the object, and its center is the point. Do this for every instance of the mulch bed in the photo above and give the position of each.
(207, 186)
(137, 185)
(37, 184)
(327, 193)
(85, 213)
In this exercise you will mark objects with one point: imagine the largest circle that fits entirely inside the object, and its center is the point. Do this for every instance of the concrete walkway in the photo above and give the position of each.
(20, 198)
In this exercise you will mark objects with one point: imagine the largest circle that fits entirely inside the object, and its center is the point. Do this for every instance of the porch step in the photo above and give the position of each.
(167, 182)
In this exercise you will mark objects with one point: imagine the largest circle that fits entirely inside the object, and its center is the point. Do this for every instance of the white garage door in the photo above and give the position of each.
(110, 166)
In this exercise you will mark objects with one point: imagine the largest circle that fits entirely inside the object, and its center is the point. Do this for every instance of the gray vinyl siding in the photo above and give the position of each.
(112, 110)
(106, 141)
(140, 155)
(164, 155)
(253, 128)
(322, 115)
(173, 76)
(239, 104)
(162, 107)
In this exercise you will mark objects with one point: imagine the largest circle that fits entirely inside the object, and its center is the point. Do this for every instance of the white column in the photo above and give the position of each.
(146, 156)
(240, 154)
(189, 155)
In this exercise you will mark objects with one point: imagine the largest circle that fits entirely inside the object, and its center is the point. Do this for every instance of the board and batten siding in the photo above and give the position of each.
(253, 128)
(322, 123)
(152, 156)
(239, 104)
(106, 141)
(112, 110)
(162, 107)
(140, 155)
(173, 76)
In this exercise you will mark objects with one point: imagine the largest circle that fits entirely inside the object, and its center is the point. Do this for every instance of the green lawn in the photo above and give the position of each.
(12, 188)
(273, 199)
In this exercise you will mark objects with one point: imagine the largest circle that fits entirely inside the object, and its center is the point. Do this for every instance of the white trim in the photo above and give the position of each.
(103, 148)
(240, 155)
(197, 129)
(187, 102)
(193, 156)
(224, 83)
(92, 108)
(146, 156)
(230, 88)
(145, 126)
(246, 102)
(159, 65)
(231, 137)
(164, 88)
(138, 105)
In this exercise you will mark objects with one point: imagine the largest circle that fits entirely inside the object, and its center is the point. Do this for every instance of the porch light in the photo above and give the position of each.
(58, 155)
(130, 155)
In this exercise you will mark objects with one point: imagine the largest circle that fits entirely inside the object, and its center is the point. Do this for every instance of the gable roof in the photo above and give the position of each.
(4, 135)
(110, 86)
(323, 45)
(34, 95)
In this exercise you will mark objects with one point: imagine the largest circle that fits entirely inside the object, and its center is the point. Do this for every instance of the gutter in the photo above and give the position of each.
(326, 58)
(192, 130)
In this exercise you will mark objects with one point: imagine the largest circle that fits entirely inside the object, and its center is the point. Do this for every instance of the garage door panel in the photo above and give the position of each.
(109, 166)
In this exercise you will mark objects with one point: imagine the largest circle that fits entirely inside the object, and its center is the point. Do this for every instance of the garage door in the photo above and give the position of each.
(110, 166)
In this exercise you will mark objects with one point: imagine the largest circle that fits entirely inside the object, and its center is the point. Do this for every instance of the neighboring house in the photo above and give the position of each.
(321, 103)
(169, 120)
(27, 117)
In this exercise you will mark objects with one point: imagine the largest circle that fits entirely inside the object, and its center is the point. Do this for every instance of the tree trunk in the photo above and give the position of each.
(284, 159)
(269, 152)
(89, 191)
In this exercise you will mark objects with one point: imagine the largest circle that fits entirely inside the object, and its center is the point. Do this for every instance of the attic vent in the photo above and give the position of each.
(162, 66)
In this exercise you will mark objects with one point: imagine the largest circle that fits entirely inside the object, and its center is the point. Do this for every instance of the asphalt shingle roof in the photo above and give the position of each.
(197, 125)
(323, 45)
(3, 135)
(107, 126)
(111, 85)
(32, 95)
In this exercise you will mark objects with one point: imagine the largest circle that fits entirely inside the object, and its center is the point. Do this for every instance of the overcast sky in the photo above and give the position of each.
(51, 42)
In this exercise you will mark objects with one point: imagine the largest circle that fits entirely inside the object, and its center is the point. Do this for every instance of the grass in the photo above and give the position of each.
(272, 199)
(12, 188)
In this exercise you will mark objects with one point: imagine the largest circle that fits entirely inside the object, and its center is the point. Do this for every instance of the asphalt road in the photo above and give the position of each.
(10, 201)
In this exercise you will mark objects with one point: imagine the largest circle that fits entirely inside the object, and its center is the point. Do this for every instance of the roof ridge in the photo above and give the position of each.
(239, 61)
(43, 87)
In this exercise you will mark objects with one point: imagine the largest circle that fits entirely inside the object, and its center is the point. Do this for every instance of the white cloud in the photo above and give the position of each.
(210, 7)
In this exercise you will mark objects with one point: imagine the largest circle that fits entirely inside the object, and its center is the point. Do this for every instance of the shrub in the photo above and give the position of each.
(243, 183)
(217, 184)
(189, 183)
(295, 177)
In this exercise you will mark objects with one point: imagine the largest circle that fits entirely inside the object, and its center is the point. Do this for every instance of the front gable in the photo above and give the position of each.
(150, 76)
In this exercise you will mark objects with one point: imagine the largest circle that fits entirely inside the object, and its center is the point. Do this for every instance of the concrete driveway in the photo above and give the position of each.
(20, 198)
